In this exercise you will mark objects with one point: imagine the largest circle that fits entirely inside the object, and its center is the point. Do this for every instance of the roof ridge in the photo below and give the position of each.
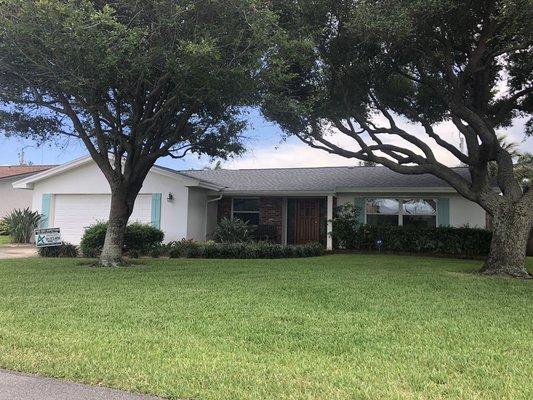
(280, 168)
(292, 168)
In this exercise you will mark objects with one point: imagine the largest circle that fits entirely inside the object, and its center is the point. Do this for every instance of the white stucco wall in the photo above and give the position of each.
(88, 179)
(466, 212)
(462, 211)
(11, 199)
(212, 217)
(197, 214)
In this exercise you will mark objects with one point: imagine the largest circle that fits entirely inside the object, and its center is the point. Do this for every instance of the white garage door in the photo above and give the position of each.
(73, 213)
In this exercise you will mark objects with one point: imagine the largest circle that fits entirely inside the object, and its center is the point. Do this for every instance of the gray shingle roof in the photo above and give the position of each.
(315, 179)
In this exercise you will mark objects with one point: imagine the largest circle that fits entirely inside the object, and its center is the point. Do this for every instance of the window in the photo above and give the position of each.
(406, 212)
(382, 212)
(246, 209)
(419, 212)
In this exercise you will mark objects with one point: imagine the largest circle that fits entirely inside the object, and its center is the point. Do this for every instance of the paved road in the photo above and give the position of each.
(16, 386)
(13, 251)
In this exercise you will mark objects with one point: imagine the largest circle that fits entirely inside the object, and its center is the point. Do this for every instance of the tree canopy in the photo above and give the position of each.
(385, 74)
(133, 78)
(357, 66)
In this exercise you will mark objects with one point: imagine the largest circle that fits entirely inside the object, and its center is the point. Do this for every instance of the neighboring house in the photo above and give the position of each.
(289, 205)
(11, 198)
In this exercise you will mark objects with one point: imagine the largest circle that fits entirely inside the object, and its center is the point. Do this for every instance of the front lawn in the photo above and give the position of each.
(4, 240)
(336, 327)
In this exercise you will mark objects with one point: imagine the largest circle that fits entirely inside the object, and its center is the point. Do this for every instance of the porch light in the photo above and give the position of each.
(170, 197)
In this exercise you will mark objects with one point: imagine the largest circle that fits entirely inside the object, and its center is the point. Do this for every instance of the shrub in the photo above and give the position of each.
(134, 253)
(345, 226)
(93, 239)
(182, 248)
(158, 250)
(21, 224)
(4, 228)
(142, 237)
(139, 239)
(232, 231)
(64, 250)
(251, 250)
(441, 240)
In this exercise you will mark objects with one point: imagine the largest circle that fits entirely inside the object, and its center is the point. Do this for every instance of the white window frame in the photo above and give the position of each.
(400, 208)
(244, 212)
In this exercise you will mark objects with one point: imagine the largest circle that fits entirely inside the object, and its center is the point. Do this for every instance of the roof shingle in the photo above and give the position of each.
(316, 179)
(7, 171)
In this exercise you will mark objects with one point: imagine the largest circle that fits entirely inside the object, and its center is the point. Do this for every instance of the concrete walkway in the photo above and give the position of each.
(17, 386)
(17, 251)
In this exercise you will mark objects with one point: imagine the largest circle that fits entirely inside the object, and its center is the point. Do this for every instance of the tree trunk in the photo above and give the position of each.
(510, 233)
(121, 209)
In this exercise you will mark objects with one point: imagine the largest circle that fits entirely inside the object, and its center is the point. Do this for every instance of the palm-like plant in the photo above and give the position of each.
(232, 231)
(21, 224)
(510, 147)
(523, 162)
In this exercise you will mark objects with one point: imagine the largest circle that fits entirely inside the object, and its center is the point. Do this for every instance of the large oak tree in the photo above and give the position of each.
(133, 80)
(384, 74)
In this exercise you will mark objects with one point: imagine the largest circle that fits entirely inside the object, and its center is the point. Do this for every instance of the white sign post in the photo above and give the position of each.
(48, 237)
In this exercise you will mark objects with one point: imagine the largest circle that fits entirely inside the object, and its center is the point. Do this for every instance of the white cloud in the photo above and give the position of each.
(288, 154)
(294, 153)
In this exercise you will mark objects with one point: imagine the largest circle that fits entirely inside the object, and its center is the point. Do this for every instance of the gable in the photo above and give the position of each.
(68, 177)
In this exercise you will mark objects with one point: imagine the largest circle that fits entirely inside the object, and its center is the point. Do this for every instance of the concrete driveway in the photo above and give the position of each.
(17, 251)
(16, 386)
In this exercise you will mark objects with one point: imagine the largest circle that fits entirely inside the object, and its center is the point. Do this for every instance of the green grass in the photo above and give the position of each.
(337, 327)
(4, 240)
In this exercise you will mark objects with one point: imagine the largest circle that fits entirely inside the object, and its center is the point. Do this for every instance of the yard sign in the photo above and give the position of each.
(47, 237)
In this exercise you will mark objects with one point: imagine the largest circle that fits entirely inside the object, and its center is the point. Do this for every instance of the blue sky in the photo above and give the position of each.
(265, 144)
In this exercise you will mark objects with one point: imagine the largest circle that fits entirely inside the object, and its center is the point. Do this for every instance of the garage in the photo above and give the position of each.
(73, 213)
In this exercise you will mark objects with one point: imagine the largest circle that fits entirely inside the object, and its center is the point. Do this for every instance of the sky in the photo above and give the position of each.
(266, 148)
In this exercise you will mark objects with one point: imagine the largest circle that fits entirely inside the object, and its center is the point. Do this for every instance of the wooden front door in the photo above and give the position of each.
(307, 221)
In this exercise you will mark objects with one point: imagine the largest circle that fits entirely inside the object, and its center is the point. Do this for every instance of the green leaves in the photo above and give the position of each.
(153, 72)
(405, 53)
(21, 223)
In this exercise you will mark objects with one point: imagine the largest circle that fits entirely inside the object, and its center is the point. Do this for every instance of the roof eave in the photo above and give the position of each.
(277, 193)
(395, 189)
(189, 181)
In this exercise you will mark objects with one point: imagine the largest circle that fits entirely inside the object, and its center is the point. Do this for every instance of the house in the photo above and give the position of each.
(12, 198)
(291, 205)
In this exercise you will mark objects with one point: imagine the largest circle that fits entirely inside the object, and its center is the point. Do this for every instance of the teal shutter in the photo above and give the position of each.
(443, 211)
(45, 210)
(360, 204)
(156, 210)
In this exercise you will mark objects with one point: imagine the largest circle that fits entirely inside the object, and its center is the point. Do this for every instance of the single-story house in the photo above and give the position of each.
(11, 198)
(288, 205)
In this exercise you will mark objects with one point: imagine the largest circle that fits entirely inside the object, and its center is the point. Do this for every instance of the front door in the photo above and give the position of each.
(307, 221)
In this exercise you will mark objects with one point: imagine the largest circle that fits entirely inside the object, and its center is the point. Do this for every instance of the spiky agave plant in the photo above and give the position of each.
(21, 223)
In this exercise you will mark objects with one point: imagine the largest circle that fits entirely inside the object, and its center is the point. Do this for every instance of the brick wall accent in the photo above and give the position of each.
(224, 208)
(270, 213)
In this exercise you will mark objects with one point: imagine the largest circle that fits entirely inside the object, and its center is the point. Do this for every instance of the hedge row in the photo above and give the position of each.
(251, 250)
(65, 250)
(441, 240)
